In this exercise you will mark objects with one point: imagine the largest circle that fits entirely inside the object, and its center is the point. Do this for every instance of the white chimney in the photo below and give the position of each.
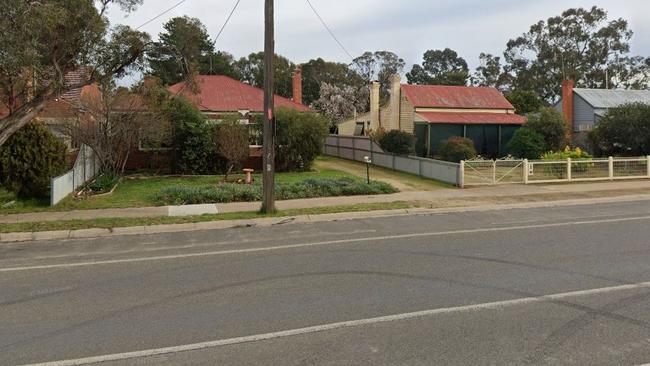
(395, 100)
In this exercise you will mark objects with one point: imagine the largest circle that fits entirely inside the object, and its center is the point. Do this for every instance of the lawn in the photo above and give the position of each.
(142, 191)
(402, 181)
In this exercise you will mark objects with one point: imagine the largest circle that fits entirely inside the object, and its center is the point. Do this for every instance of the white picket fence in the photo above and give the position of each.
(86, 166)
(493, 172)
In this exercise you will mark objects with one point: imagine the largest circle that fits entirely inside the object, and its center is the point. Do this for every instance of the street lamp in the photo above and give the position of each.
(367, 160)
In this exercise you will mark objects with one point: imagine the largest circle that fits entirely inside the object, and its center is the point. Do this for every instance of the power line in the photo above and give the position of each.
(329, 30)
(161, 14)
(226, 22)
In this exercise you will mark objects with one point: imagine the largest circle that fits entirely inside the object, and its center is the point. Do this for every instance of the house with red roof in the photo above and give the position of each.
(219, 97)
(434, 113)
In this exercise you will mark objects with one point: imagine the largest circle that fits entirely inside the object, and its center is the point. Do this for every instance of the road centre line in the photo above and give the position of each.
(341, 325)
(322, 243)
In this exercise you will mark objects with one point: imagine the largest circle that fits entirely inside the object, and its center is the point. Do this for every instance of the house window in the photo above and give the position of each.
(584, 127)
(360, 129)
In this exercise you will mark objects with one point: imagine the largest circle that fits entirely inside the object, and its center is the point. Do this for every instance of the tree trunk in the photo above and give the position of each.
(22, 116)
(230, 168)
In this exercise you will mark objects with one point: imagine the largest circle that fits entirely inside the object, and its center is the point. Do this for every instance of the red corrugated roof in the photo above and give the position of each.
(469, 118)
(219, 93)
(438, 96)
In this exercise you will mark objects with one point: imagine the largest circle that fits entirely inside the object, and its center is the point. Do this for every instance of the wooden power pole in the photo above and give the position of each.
(268, 176)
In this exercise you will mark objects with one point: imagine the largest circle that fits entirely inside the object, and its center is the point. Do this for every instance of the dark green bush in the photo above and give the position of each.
(456, 148)
(527, 144)
(308, 188)
(550, 124)
(300, 139)
(29, 159)
(397, 142)
(623, 131)
(192, 147)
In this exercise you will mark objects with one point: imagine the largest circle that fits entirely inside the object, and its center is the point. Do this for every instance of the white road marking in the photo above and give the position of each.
(340, 325)
(318, 244)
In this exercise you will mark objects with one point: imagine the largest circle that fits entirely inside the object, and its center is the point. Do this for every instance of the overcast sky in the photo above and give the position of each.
(407, 27)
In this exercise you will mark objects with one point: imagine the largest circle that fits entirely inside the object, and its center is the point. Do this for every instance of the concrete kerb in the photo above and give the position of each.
(267, 222)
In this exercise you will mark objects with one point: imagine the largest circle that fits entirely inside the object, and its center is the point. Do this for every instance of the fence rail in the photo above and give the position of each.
(493, 172)
(357, 148)
(85, 168)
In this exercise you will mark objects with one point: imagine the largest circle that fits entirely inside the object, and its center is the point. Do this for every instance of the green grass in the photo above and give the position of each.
(402, 181)
(141, 191)
(108, 223)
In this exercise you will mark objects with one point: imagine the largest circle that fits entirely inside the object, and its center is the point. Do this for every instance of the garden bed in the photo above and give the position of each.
(308, 188)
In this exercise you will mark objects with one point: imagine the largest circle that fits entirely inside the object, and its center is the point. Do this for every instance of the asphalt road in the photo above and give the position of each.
(552, 286)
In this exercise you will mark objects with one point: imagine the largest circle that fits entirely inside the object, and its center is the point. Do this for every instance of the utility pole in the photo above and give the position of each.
(268, 176)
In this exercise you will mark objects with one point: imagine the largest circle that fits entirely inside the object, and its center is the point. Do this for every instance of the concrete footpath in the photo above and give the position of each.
(495, 193)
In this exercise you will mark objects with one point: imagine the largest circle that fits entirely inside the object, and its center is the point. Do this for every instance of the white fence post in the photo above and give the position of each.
(526, 171)
(569, 172)
(461, 182)
(494, 172)
(611, 167)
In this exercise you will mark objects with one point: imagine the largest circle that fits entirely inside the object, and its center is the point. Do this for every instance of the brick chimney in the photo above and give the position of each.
(374, 105)
(297, 85)
(567, 104)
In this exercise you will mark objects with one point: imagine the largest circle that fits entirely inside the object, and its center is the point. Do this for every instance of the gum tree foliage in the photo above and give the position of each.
(42, 41)
(440, 67)
(185, 48)
(29, 159)
(489, 73)
(580, 44)
(251, 71)
(379, 66)
(525, 101)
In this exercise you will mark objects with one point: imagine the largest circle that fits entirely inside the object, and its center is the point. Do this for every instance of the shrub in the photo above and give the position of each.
(300, 139)
(397, 142)
(308, 188)
(231, 143)
(575, 154)
(103, 183)
(527, 144)
(29, 159)
(456, 149)
(623, 131)
(550, 124)
(192, 146)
